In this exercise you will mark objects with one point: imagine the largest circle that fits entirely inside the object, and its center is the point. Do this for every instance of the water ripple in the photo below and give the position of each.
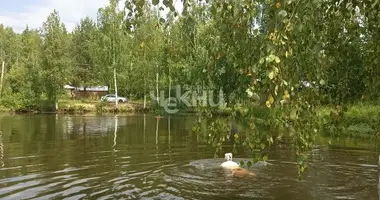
(92, 167)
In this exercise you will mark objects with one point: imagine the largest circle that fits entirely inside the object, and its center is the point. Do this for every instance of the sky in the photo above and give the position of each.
(20, 13)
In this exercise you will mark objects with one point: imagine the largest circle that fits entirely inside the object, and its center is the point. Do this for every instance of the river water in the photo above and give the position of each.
(142, 157)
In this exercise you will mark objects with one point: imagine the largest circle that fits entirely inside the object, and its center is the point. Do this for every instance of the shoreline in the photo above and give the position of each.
(360, 119)
(95, 107)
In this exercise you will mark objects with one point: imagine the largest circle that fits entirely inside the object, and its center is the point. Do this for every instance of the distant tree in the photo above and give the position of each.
(84, 71)
(56, 61)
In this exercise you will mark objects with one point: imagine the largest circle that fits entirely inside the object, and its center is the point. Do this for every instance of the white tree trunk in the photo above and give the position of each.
(2, 76)
(114, 77)
(170, 85)
(157, 96)
(144, 81)
(144, 101)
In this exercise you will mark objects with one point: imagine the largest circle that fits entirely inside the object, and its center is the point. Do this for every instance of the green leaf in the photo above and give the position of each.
(167, 3)
(271, 75)
(374, 3)
(271, 58)
(155, 2)
(277, 59)
(262, 145)
(300, 162)
(172, 8)
(302, 169)
(265, 158)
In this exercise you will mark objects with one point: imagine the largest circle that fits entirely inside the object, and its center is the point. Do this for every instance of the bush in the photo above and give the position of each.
(100, 106)
(11, 102)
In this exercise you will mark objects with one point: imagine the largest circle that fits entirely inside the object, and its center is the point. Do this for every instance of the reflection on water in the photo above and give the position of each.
(143, 157)
(1, 149)
(115, 131)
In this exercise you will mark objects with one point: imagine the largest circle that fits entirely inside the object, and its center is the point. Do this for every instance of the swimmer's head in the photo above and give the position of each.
(228, 156)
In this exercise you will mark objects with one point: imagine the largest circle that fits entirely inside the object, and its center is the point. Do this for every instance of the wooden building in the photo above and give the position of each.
(92, 92)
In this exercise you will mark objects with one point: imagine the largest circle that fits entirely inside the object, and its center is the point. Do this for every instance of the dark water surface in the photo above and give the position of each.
(76, 157)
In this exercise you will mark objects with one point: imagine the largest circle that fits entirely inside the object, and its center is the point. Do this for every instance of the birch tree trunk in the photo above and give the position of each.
(116, 100)
(144, 81)
(2, 76)
(157, 96)
(170, 85)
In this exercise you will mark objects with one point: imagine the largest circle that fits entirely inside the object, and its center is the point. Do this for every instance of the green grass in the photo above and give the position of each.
(360, 119)
(356, 113)
(90, 106)
(357, 110)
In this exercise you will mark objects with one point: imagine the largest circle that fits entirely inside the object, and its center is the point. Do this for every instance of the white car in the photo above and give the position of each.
(112, 98)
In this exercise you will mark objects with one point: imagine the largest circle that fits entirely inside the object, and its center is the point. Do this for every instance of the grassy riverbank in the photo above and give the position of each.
(358, 120)
(69, 106)
(86, 106)
(358, 112)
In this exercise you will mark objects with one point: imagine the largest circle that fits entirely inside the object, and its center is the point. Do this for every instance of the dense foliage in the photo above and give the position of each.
(254, 51)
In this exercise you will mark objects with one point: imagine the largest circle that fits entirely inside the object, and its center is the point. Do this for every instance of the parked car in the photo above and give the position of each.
(112, 98)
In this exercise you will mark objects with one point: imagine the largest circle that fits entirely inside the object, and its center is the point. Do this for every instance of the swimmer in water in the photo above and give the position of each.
(237, 171)
(229, 163)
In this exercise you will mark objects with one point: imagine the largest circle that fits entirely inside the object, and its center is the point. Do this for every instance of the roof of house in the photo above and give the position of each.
(68, 87)
(91, 88)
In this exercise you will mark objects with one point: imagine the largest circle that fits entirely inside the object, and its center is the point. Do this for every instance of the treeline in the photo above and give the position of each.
(240, 47)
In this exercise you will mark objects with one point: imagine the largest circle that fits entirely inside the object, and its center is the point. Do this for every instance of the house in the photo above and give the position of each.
(92, 92)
